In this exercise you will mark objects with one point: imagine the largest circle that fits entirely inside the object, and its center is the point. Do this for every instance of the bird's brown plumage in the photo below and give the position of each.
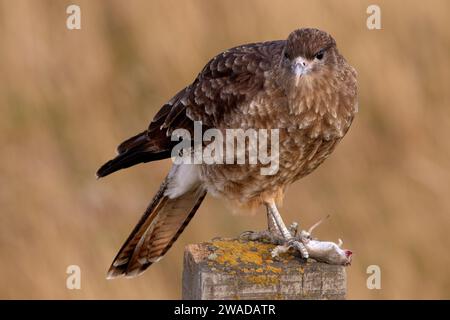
(254, 86)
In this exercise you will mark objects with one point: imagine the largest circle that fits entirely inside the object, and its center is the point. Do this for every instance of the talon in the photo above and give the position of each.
(300, 247)
(279, 249)
(244, 235)
(292, 243)
(262, 236)
(293, 228)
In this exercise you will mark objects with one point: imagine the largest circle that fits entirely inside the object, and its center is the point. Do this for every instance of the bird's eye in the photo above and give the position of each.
(286, 55)
(319, 55)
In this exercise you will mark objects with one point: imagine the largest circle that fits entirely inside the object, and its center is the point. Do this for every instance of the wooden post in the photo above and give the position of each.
(237, 269)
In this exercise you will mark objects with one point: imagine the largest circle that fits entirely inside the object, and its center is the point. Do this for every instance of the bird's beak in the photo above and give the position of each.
(301, 66)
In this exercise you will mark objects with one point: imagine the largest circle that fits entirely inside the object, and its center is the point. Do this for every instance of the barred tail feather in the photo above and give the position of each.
(160, 226)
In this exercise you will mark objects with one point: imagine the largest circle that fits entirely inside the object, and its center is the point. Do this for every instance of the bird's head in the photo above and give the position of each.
(308, 53)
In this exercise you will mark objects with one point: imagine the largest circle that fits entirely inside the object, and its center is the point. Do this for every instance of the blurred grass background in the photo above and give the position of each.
(67, 98)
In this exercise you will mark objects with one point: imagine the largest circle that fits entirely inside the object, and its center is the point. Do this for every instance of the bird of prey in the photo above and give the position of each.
(302, 86)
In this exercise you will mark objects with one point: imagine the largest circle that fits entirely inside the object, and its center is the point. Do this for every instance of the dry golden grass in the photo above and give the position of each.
(68, 97)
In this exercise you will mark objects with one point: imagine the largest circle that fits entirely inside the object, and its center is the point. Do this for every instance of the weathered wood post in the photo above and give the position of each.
(238, 269)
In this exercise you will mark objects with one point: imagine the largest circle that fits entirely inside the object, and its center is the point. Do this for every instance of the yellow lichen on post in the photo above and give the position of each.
(241, 269)
(250, 254)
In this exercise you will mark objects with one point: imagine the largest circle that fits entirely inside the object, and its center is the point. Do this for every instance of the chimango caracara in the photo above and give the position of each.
(301, 86)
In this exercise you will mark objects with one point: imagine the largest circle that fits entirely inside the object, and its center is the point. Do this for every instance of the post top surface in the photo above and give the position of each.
(242, 256)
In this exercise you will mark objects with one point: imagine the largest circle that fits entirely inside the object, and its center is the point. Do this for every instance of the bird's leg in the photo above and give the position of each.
(289, 240)
(277, 220)
(272, 224)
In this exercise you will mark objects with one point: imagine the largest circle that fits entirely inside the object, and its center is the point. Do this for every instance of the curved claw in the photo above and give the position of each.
(279, 249)
(245, 234)
(297, 245)
(263, 236)
(300, 247)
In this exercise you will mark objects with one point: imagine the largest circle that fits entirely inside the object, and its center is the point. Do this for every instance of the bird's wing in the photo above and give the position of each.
(226, 82)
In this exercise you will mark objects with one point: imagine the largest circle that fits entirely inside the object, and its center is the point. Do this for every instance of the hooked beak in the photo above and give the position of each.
(301, 66)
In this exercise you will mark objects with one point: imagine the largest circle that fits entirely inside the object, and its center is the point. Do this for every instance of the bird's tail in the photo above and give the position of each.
(162, 223)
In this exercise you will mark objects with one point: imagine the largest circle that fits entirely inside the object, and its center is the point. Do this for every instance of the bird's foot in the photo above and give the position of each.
(265, 236)
(269, 236)
(282, 244)
(303, 242)
(293, 243)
